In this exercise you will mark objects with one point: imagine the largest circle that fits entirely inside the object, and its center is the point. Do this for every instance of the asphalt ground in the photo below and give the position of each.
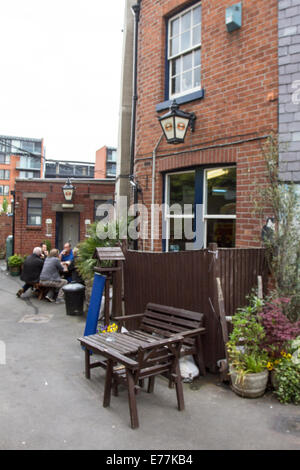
(46, 403)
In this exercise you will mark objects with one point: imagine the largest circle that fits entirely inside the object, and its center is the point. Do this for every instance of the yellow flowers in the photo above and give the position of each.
(286, 355)
(109, 329)
(270, 365)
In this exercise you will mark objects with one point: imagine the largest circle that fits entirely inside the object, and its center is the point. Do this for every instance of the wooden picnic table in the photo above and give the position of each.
(141, 356)
(112, 345)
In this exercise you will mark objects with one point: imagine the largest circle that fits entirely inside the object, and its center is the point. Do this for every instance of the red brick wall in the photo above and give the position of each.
(5, 228)
(27, 237)
(239, 71)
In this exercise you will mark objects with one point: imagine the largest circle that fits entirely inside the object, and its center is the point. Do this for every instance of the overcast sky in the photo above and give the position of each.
(60, 73)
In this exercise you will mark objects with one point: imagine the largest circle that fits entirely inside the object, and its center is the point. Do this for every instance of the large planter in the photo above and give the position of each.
(14, 270)
(274, 380)
(251, 385)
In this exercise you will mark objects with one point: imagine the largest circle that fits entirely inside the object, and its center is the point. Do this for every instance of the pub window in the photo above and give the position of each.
(34, 211)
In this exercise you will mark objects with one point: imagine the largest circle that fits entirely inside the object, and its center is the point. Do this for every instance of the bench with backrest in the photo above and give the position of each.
(165, 322)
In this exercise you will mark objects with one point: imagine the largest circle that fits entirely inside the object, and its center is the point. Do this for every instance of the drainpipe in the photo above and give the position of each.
(136, 11)
(153, 189)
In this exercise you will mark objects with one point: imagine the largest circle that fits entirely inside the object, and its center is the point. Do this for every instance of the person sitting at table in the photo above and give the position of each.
(72, 269)
(31, 271)
(44, 250)
(66, 257)
(51, 275)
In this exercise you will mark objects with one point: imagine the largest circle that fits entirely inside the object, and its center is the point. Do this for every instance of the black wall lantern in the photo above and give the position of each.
(175, 124)
(68, 190)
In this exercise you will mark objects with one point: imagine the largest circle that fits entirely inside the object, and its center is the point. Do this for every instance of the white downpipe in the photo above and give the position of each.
(153, 189)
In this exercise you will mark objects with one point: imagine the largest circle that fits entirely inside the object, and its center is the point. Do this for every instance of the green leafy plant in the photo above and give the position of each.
(287, 376)
(244, 346)
(5, 205)
(15, 261)
(85, 262)
(48, 244)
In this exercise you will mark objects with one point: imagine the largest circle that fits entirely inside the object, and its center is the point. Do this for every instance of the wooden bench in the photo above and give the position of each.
(165, 322)
(41, 291)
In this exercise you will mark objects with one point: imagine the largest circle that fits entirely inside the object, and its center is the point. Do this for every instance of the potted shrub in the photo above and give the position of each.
(281, 334)
(14, 263)
(247, 359)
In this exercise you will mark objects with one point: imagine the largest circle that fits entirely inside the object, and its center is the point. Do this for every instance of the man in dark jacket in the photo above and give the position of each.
(31, 271)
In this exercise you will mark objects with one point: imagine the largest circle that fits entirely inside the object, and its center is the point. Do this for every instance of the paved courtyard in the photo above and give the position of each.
(47, 403)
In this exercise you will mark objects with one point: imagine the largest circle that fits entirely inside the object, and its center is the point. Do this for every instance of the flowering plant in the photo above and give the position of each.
(287, 376)
(109, 329)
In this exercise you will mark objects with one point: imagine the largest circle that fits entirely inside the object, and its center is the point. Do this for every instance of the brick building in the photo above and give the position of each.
(229, 79)
(41, 211)
(20, 157)
(106, 162)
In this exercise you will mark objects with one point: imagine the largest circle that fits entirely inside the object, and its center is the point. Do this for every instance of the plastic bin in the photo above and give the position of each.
(9, 248)
(74, 298)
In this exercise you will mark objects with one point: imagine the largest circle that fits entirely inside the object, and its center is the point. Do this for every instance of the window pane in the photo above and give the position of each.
(197, 57)
(176, 67)
(182, 189)
(175, 27)
(221, 232)
(197, 15)
(177, 240)
(35, 203)
(186, 21)
(196, 35)
(6, 190)
(175, 85)
(221, 191)
(197, 77)
(175, 46)
(1, 190)
(187, 62)
(185, 40)
(187, 81)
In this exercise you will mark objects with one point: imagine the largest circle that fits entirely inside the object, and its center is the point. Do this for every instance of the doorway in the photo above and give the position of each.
(67, 228)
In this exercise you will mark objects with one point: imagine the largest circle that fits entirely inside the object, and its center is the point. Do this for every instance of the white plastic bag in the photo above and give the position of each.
(188, 368)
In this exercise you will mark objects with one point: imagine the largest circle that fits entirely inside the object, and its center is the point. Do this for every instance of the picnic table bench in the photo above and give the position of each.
(158, 321)
(131, 360)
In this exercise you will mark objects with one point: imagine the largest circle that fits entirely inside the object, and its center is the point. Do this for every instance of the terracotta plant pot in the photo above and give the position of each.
(251, 385)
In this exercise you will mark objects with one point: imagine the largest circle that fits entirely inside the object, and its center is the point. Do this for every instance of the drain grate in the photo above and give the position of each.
(36, 319)
(289, 425)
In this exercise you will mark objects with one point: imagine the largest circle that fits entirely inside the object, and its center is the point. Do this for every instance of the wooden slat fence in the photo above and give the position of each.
(188, 280)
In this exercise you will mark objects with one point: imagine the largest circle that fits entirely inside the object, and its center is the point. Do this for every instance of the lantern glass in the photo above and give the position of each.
(68, 194)
(168, 127)
(181, 126)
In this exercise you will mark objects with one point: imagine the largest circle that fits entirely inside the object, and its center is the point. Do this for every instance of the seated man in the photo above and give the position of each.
(66, 257)
(44, 250)
(31, 271)
(51, 275)
(76, 277)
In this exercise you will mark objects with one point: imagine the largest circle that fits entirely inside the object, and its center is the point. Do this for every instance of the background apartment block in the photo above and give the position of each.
(68, 169)
(20, 157)
(106, 162)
